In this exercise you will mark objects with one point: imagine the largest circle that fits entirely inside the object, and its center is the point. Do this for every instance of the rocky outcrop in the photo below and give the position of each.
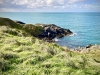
(52, 31)
(87, 49)
(88, 46)
(19, 22)
(48, 32)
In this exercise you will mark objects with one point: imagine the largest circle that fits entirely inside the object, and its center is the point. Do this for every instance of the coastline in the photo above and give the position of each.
(22, 53)
(86, 25)
(46, 32)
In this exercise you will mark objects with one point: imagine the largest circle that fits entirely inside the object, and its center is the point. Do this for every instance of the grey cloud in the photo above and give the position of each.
(22, 5)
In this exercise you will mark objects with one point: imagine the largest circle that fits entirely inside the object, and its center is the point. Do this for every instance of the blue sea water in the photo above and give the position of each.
(85, 25)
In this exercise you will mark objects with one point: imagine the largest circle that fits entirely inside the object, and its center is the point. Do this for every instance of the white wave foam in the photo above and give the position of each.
(73, 34)
(56, 39)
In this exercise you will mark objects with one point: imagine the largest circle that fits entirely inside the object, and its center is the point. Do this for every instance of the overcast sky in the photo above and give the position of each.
(49, 5)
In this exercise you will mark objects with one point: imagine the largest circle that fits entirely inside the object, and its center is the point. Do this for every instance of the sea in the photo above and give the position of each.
(84, 25)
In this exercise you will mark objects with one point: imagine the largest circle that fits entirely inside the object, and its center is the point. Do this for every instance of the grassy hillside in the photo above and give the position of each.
(10, 23)
(34, 30)
(23, 54)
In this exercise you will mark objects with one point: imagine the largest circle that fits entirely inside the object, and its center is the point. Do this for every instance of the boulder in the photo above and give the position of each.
(88, 46)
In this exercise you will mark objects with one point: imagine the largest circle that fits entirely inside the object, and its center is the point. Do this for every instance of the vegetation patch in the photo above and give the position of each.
(23, 54)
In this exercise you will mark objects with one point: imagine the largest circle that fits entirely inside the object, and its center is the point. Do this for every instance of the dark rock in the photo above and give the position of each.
(52, 31)
(88, 46)
(19, 22)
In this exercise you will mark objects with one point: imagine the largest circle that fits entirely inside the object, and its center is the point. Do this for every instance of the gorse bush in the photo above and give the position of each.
(8, 56)
(3, 65)
(33, 29)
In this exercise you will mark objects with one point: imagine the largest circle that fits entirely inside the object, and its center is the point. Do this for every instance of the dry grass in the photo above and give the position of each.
(26, 55)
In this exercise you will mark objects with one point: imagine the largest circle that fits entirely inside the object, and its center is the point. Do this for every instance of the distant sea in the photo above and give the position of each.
(85, 25)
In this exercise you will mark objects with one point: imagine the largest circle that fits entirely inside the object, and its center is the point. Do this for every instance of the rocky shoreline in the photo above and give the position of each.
(52, 31)
(49, 31)
(92, 48)
(46, 32)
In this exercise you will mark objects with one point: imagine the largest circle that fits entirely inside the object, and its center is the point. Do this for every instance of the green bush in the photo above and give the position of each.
(5, 66)
(32, 29)
(8, 56)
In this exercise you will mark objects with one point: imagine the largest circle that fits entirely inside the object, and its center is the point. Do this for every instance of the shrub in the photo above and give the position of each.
(72, 65)
(47, 72)
(4, 65)
(8, 56)
(32, 29)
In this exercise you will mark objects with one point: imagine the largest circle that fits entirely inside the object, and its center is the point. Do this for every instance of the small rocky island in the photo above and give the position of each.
(48, 31)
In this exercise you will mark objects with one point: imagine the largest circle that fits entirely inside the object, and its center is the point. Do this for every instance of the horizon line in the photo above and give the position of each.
(53, 12)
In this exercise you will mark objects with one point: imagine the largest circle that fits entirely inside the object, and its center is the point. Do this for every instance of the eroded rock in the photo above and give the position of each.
(52, 31)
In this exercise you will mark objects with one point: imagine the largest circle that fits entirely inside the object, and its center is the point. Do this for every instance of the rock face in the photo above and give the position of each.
(88, 46)
(52, 31)
(49, 32)
(19, 22)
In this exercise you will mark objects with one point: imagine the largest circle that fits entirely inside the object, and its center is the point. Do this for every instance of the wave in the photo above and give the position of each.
(56, 39)
(73, 34)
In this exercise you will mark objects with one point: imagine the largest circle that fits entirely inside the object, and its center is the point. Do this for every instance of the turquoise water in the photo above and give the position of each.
(86, 26)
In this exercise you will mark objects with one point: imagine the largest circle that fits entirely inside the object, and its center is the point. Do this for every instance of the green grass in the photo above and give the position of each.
(23, 54)
(28, 55)
(34, 30)
(10, 23)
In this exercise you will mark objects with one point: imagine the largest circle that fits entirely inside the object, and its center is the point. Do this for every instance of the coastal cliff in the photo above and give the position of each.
(23, 54)
(46, 32)
(52, 31)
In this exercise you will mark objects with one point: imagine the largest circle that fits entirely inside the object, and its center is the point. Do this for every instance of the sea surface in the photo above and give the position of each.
(85, 25)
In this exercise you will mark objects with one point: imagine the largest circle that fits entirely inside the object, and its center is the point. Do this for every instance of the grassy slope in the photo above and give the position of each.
(22, 54)
(29, 28)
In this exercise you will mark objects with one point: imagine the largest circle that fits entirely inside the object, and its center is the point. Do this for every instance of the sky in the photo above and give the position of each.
(49, 5)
